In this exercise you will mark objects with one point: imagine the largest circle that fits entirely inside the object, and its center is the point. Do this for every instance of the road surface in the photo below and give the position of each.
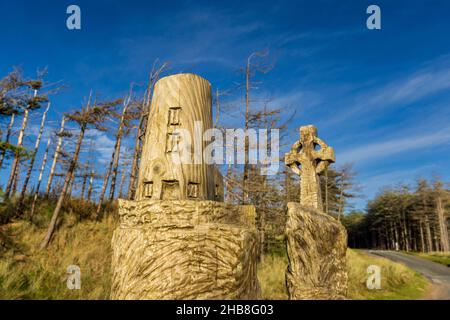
(438, 274)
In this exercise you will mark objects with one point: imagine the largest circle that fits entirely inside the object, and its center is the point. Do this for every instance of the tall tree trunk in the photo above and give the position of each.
(122, 180)
(440, 212)
(14, 167)
(392, 234)
(437, 242)
(247, 117)
(341, 203)
(8, 136)
(428, 233)
(217, 109)
(117, 149)
(71, 183)
(422, 240)
(73, 165)
(91, 182)
(405, 232)
(32, 160)
(134, 166)
(115, 170)
(16, 178)
(55, 158)
(105, 185)
(41, 173)
(83, 185)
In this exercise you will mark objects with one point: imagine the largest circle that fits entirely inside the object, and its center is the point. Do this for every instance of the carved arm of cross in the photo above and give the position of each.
(324, 156)
(293, 158)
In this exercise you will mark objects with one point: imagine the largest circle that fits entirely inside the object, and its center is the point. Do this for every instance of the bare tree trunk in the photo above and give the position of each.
(411, 239)
(73, 164)
(16, 178)
(134, 166)
(8, 136)
(15, 164)
(55, 158)
(341, 203)
(122, 180)
(117, 149)
(437, 242)
(217, 108)
(422, 240)
(41, 173)
(247, 117)
(91, 182)
(32, 160)
(428, 233)
(105, 185)
(115, 170)
(228, 183)
(83, 185)
(405, 235)
(71, 183)
(442, 224)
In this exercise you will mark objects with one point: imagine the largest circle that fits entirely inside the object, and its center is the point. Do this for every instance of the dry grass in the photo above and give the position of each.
(271, 277)
(29, 273)
(397, 281)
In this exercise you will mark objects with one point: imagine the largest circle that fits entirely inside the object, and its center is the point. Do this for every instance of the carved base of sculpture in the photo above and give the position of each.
(184, 249)
(316, 245)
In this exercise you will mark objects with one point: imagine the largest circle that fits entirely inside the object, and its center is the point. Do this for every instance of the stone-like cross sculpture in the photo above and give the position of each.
(308, 157)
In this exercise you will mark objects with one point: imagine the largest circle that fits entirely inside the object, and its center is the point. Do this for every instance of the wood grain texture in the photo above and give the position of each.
(316, 245)
(184, 250)
(179, 101)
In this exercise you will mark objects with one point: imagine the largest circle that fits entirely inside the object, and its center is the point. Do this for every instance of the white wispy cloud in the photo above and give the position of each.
(385, 148)
(102, 145)
(432, 78)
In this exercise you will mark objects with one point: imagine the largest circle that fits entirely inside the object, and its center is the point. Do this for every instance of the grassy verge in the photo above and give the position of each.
(397, 281)
(438, 257)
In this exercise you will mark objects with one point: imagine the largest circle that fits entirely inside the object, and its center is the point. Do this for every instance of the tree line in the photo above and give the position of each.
(404, 218)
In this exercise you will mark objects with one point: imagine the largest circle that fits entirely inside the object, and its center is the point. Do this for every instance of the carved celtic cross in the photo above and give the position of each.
(308, 157)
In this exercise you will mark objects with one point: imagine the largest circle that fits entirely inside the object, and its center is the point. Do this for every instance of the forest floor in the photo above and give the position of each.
(29, 273)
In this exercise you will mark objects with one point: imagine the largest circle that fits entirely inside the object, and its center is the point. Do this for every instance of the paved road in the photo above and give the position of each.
(438, 274)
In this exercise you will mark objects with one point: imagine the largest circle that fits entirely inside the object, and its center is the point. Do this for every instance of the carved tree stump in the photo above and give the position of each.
(316, 245)
(181, 103)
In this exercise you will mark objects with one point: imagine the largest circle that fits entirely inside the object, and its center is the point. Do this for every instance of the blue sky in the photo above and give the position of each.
(379, 97)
